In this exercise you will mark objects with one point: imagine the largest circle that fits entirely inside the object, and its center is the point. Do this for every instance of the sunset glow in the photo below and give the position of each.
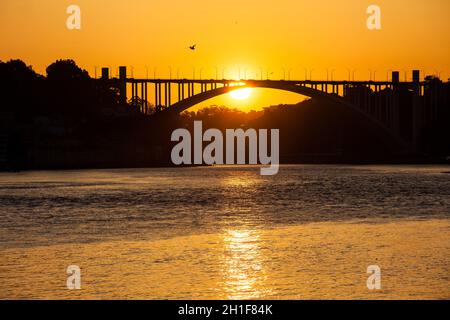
(262, 39)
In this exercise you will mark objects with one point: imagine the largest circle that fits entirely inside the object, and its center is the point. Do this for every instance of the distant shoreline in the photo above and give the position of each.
(398, 162)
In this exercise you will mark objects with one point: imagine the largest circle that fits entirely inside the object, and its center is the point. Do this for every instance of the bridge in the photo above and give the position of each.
(376, 102)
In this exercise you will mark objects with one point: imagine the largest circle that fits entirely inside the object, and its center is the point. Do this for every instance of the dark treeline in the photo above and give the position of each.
(66, 90)
(66, 119)
(310, 131)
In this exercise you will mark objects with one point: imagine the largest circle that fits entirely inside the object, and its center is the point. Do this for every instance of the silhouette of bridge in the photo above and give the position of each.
(377, 102)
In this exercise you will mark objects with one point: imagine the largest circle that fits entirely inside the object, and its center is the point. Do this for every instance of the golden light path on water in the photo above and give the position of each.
(242, 265)
(222, 243)
(315, 261)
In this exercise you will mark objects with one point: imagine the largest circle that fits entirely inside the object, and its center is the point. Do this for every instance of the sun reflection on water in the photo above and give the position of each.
(243, 268)
(242, 181)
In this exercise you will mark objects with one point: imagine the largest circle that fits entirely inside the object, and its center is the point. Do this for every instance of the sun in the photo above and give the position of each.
(241, 94)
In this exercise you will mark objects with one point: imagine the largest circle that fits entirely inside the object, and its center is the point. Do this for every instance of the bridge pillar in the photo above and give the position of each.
(146, 97)
(395, 105)
(166, 94)
(395, 77)
(160, 94)
(156, 95)
(169, 94)
(123, 84)
(416, 81)
(133, 92)
(417, 112)
(105, 73)
(142, 106)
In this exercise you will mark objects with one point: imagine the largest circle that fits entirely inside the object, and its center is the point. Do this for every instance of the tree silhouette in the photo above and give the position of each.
(16, 70)
(65, 70)
(19, 87)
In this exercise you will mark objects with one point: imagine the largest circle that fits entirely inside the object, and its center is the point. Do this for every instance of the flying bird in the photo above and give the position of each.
(193, 47)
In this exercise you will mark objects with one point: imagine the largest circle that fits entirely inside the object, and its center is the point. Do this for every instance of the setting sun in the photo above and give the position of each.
(241, 94)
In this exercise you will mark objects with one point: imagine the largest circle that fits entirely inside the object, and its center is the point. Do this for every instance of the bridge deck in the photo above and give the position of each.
(249, 81)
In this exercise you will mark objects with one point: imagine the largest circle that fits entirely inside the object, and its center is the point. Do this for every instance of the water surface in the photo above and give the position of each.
(226, 232)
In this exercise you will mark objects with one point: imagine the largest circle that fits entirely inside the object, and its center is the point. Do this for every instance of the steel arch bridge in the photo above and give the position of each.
(374, 101)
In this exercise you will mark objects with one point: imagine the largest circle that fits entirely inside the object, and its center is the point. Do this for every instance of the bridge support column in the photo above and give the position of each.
(394, 107)
(123, 84)
(133, 93)
(160, 94)
(417, 113)
(142, 106)
(156, 95)
(169, 94)
(105, 73)
(165, 94)
(146, 97)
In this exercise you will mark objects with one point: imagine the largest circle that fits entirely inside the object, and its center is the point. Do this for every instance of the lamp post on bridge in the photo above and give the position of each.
(328, 73)
(351, 74)
(405, 75)
(388, 72)
(372, 72)
(310, 74)
(286, 71)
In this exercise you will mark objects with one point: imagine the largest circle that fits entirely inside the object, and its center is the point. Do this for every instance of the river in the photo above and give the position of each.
(309, 232)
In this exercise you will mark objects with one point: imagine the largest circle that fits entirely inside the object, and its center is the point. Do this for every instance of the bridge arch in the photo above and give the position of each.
(379, 128)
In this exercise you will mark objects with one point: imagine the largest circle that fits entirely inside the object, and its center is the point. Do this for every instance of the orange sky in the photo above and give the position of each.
(273, 35)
